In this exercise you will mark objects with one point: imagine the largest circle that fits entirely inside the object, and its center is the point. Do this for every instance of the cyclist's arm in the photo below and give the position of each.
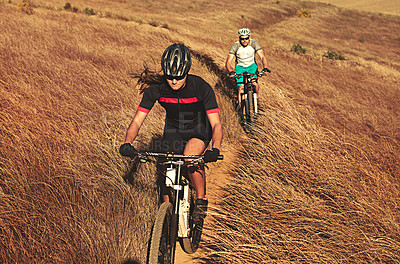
(262, 57)
(229, 62)
(134, 127)
(216, 126)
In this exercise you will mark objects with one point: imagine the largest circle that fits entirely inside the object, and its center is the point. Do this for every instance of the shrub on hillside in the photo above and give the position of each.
(304, 13)
(69, 7)
(25, 7)
(333, 55)
(154, 23)
(298, 48)
(89, 12)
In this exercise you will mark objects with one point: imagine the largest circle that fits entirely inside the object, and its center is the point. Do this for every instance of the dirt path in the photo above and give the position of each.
(217, 177)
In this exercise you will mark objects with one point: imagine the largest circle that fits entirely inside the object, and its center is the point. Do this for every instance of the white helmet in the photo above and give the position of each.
(244, 32)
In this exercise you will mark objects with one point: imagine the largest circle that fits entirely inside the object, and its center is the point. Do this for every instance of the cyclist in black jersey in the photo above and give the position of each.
(192, 114)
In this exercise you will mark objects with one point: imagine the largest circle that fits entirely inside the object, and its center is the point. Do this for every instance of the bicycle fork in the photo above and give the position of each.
(181, 189)
(246, 102)
(247, 108)
(184, 209)
(173, 180)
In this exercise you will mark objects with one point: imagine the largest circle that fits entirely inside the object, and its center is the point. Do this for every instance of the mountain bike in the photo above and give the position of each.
(174, 218)
(249, 96)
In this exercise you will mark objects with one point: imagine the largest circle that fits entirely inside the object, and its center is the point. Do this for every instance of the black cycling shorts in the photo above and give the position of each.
(176, 141)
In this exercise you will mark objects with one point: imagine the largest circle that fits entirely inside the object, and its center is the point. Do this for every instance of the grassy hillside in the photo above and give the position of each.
(375, 6)
(318, 175)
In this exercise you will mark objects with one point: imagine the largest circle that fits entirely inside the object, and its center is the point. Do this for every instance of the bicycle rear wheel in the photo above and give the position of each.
(161, 246)
(191, 243)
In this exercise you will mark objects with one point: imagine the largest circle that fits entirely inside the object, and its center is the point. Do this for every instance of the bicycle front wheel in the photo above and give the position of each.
(161, 247)
(250, 111)
(191, 243)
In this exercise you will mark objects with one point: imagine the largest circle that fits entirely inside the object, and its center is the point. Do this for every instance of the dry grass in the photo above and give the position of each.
(66, 194)
(319, 178)
(374, 6)
(305, 195)
(62, 108)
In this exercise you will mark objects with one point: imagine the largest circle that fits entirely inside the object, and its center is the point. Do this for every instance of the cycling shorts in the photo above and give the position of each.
(240, 70)
(174, 141)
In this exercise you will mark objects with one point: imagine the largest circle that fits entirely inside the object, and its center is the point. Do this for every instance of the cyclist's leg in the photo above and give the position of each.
(257, 86)
(239, 82)
(172, 142)
(253, 69)
(240, 92)
(196, 146)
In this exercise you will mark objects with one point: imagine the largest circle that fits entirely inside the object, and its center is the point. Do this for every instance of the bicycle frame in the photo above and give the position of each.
(249, 89)
(180, 185)
(249, 102)
(181, 226)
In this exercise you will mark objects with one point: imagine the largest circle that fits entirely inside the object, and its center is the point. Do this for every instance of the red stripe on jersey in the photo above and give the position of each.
(188, 100)
(181, 100)
(212, 111)
(142, 109)
(168, 100)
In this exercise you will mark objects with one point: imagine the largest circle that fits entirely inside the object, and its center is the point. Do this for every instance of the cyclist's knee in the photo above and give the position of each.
(194, 146)
(241, 88)
(257, 86)
(196, 168)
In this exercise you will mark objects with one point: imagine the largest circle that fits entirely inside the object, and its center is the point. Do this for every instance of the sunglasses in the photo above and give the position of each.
(244, 38)
(178, 78)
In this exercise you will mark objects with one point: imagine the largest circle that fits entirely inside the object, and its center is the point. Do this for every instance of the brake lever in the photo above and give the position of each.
(142, 158)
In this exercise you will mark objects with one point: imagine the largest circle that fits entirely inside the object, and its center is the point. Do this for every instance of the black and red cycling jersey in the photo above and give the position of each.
(186, 109)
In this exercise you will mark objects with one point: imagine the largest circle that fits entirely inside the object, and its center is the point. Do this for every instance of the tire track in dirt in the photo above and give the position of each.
(217, 178)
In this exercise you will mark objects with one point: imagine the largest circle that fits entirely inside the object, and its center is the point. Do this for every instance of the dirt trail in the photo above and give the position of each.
(217, 177)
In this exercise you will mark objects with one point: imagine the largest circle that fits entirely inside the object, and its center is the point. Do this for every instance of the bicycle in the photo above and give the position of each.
(174, 219)
(249, 97)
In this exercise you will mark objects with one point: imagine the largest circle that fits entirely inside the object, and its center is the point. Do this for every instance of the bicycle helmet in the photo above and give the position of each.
(244, 32)
(176, 60)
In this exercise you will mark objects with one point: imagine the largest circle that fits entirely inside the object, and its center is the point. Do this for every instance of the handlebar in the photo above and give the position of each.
(259, 74)
(144, 155)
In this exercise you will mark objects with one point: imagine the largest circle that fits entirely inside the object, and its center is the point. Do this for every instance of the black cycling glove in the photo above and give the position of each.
(232, 73)
(128, 150)
(211, 155)
(266, 70)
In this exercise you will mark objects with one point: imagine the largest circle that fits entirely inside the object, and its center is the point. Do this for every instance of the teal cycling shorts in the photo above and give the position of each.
(240, 70)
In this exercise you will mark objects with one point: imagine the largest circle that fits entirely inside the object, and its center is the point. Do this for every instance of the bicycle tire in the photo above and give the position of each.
(246, 108)
(161, 247)
(251, 106)
(191, 243)
(242, 108)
